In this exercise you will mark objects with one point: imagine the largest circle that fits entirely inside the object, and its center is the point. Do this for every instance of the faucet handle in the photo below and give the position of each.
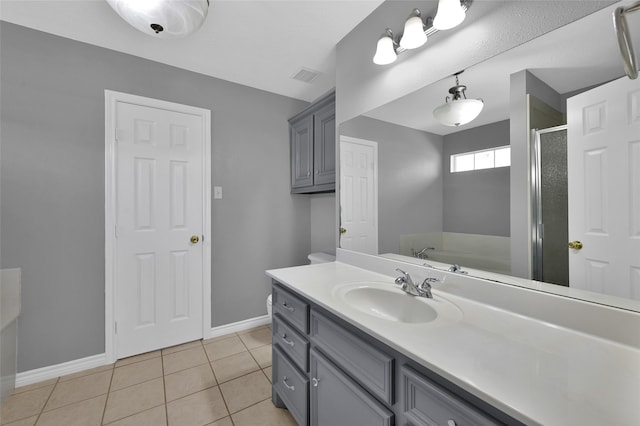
(403, 278)
(427, 282)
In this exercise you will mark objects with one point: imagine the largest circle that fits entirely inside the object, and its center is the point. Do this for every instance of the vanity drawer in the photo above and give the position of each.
(366, 364)
(424, 404)
(290, 307)
(291, 342)
(291, 385)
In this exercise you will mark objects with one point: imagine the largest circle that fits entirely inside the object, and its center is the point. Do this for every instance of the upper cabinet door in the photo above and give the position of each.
(325, 145)
(313, 147)
(301, 135)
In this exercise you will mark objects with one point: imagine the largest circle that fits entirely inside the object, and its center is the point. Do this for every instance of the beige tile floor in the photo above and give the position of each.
(223, 381)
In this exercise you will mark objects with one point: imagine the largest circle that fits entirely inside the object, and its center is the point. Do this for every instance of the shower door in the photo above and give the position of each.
(550, 205)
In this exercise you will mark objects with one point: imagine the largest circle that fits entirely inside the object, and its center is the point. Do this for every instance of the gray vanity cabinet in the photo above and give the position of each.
(312, 137)
(338, 400)
(328, 372)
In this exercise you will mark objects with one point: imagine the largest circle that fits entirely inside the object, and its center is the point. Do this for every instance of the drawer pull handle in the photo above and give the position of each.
(315, 382)
(291, 388)
(287, 341)
(287, 307)
(451, 422)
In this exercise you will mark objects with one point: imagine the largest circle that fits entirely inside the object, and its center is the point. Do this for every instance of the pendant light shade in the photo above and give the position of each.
(163, 18)
(386, 49)
(459, 110)
(450, 14)
(413, 35)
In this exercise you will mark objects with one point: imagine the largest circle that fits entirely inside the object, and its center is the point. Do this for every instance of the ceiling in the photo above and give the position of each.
(257, 43)
(578, 55)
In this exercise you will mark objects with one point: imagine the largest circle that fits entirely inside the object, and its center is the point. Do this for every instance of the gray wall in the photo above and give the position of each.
(323, 223)
(409, 179)
(52, 193)
(476, 202)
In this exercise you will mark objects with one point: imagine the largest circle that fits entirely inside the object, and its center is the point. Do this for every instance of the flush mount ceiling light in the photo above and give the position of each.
(458, 110)
(163, 18)
(416, 30)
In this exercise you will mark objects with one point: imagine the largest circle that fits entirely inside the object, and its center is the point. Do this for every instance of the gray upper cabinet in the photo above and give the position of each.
(312, 136)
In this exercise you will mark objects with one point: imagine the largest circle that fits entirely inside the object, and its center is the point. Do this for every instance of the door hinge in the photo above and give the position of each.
(116, 231)
(118, 134)
(116, 327)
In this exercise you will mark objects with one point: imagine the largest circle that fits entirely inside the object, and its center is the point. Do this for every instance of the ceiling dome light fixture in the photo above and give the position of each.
(386, 50)
(163, 18)
(459, 110)
(450, 14)
(413, 35)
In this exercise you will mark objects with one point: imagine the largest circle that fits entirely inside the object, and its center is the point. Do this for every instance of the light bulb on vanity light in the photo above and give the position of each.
(386, 49)
(413, 35)
(450, 14)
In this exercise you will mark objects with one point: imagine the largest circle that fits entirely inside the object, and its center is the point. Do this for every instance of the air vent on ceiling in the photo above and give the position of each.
(306, 75)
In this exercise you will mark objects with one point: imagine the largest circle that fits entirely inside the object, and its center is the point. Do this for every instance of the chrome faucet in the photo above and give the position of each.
(421, 254)
(423, 290)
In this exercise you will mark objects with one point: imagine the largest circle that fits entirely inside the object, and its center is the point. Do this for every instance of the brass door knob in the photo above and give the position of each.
(576, 245)
(195, 239)
(342, 230)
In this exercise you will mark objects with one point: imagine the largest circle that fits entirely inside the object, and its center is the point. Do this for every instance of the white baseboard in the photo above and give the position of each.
(58, 370)
(239, 326)
(70, 367)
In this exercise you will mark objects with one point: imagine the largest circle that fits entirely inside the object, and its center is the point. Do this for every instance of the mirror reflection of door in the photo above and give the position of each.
(359, 195)
(604, 188)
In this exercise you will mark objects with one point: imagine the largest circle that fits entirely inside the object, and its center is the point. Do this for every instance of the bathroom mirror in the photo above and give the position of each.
(429, 214)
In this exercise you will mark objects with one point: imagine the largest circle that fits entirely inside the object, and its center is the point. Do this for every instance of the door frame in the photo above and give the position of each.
(111, 100)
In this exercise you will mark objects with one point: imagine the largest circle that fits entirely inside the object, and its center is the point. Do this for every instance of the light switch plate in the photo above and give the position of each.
(217, 193)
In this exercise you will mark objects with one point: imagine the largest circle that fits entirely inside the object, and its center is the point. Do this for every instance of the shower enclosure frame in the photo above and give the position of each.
(537, 224)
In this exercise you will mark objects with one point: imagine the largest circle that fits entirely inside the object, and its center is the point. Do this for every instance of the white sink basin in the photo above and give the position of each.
(388, 302)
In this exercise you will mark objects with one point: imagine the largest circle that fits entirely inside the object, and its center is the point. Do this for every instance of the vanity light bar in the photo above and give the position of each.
(389, 46)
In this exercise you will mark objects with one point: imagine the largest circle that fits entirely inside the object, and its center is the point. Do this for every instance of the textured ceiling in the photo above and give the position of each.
(258, 43)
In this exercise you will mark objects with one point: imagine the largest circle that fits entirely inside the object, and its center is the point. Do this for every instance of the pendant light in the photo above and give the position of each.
(459, 110)
(450, 14)
(163, 18)
(386, 49)
(413, 35)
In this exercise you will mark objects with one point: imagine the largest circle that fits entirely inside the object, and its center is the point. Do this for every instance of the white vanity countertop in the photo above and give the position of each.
(536, 372)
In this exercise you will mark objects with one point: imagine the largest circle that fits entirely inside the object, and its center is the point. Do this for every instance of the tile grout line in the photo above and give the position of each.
(47, 401)
(164, 390)
(106, 401)
(224, 401)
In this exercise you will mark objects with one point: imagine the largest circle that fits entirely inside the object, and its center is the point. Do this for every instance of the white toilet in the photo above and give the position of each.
(314, 258)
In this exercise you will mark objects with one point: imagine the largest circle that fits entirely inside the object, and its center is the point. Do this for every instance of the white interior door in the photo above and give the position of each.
(359, 195)
(603, 150)
(159, 208)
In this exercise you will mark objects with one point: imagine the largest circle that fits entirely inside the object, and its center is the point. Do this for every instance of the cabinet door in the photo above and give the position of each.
(338, 400)
(426, 404)
(301, 137)
(325, 145)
